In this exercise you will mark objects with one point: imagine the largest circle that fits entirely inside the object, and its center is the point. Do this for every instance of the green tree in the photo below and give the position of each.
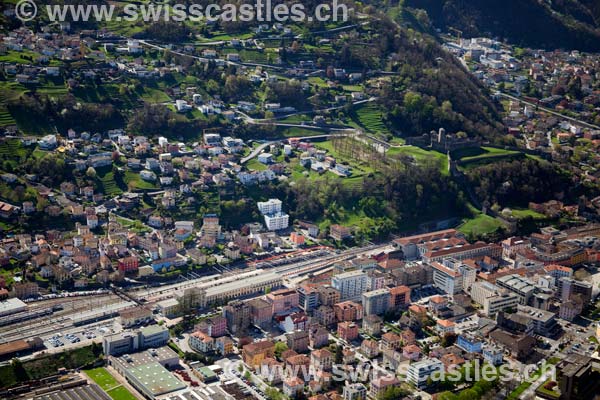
(19, 371)
(339, 354)
(280, 347)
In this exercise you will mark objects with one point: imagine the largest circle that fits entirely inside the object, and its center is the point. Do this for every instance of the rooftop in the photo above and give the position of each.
(156, 378)
(146, 357)
(11, 306)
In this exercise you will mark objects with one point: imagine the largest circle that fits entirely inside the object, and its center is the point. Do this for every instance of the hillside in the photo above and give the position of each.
(418, 87)
(565, 24)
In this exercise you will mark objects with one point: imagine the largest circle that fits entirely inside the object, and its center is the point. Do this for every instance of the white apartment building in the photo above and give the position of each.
(273, 206)
(418, 373)
(351, 285)
(376, 302)
(453, 276)
(355, 391)
(275, 222)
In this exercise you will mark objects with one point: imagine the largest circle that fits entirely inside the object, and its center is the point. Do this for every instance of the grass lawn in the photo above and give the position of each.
(152, 95)
(480, 225)
(109, 384)
(135, 226)
(477, 156)
(255, 165)
(103, 378)
(358, 167)
(295, 119)
(297, 131)
(121, 393)
(134, 181)
(19, 57)
(320, 82)
(422, 156)
(525, 213)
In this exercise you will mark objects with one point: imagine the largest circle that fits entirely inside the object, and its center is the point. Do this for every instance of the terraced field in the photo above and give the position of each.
(13, 148)
(370, 117)
(108, 184)
(5, 118)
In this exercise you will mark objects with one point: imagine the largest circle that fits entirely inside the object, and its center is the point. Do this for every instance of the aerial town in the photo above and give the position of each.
(374, 209)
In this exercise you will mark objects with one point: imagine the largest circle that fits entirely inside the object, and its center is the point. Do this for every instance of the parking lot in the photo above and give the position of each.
(77, 337)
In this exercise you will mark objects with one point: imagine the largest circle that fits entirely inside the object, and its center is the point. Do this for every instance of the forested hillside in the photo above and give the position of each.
(566, 24)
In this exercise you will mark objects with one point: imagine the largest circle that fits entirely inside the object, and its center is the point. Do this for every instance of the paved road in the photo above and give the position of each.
(529, 393)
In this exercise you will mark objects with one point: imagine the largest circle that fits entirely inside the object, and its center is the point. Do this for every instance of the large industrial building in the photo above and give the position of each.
(147, 371)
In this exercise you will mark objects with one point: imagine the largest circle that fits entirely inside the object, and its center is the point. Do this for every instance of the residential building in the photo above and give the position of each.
(418, 373)
(347, 330)
(128, 264)
(381, 385)
(321, 360)
(348, 311)
(399, 297)
(493, 355)
(325, 315)
(283, 300)
(328, 296)
(453, 276)
(308, 298)
(372, 324)
(469, 343)
(390, 341)
(318, 336)
(224, 345)
(237, 315)
(376, 302)
(293, 387)
(351, 285)
(569, 288)
(298, 341)
(254, 353)
(273, 206)
(370, 348)
(339, 233)
(569, 310)
(354, 391)
(261, 311)
(275, 222)
(201, 342)
(445, 326)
